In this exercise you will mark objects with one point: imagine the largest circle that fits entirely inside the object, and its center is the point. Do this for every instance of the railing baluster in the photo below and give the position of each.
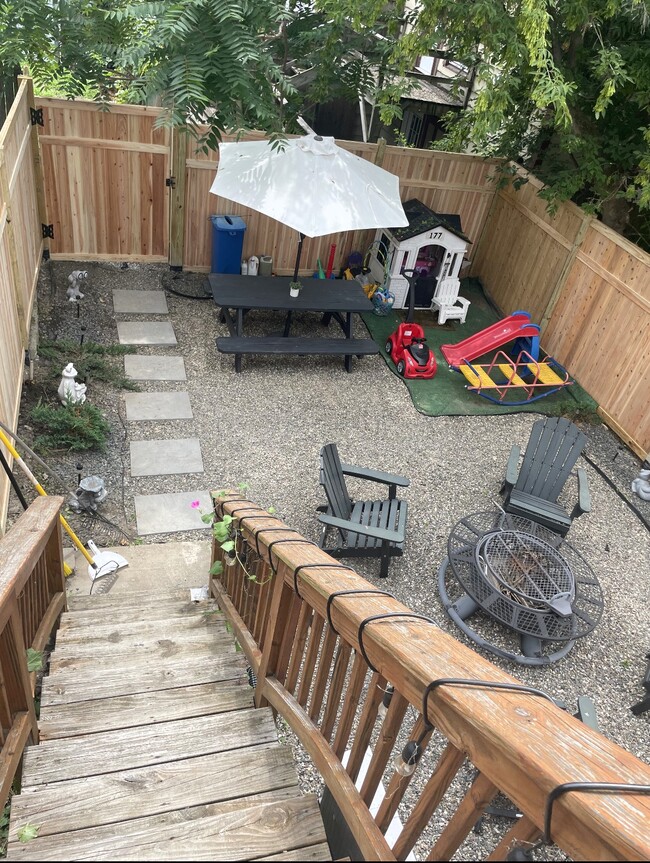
(443, 775)
(464, 818)
(309, 664)
(282, 601)
(262, 605)
(322, 675)
(288, 639)
(398, 784)
(300, 640)
(336, 687)
(366, 724)
(350, 704)
(522, 832)
(384, 746)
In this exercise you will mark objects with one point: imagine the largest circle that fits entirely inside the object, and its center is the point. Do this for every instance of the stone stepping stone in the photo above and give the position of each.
(140, 302)
(145, 333)
(172, 512)
(163, 457)
(158, 406)
(141, 368)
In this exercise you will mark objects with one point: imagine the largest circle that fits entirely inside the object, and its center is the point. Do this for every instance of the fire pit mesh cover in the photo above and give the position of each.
(526, 569)
(486, 552)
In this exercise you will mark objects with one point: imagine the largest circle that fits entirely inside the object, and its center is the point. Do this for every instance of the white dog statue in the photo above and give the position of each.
(73, 292)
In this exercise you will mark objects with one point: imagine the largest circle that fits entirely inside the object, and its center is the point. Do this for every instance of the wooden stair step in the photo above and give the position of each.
(139, 613)
(77, 804)
(218, 637)
(124, 749)
(146, 708)
(161, 650)
(312, 852)
(86, 602)
(243, 829)
(116, 629)
(124, 679)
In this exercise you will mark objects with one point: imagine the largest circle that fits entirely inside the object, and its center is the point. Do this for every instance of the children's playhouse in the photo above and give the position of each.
(433, 245)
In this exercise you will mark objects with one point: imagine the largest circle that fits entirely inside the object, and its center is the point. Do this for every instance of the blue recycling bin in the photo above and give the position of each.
(227, 243)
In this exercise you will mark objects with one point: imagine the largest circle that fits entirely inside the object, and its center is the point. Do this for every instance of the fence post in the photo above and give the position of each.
(177, 198)
(39, 180)
(559, 285)
(278, 617)
(380, 152)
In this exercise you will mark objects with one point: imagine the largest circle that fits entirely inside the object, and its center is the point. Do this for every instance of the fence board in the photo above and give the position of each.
(20, 255)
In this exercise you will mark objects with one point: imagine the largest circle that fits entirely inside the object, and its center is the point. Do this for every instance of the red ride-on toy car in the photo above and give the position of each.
(406, 347)
(413, 358)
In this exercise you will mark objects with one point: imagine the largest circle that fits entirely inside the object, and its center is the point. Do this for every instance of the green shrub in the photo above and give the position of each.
(91, 360)
(71, 427)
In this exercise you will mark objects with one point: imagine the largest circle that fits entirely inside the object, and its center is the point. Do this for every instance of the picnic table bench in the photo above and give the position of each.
(333, 299)
(301, 345)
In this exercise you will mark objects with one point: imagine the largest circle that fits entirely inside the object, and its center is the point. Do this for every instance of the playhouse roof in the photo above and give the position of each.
(422, 219)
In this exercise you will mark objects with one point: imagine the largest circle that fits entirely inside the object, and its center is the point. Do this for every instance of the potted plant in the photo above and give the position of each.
(294, 288)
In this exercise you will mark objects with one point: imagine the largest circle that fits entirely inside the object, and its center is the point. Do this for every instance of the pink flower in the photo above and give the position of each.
(195, 504)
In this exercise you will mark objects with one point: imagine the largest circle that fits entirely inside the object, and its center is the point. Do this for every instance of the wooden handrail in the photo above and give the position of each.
(32, 596)
(521, 743)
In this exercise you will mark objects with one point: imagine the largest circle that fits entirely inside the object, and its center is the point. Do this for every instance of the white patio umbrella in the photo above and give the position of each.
(310, 184)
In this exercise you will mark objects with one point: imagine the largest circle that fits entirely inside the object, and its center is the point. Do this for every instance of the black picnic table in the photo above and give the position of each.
(334, 299)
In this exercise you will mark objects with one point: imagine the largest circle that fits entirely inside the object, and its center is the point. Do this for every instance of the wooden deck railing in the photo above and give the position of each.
(327, 646)
(32, 596)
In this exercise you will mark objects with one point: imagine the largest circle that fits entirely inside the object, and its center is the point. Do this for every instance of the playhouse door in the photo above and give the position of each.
(428, 262)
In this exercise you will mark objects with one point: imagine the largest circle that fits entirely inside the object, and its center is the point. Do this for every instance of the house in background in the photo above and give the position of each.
(437, 86)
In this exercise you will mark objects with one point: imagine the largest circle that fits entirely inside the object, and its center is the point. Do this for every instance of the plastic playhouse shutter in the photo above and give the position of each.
(227, 243)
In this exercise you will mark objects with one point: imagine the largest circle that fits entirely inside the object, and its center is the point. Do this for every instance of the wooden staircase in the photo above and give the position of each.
(151, 748)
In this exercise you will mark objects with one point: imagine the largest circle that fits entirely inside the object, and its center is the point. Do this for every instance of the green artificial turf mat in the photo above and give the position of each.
(445, 394)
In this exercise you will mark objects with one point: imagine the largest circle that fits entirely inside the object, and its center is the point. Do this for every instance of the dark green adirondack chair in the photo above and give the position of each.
(366, 528)
(532, 490)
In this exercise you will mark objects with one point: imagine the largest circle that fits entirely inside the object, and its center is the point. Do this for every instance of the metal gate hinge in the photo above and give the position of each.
(171, 182)
(36, 116)
(48, 231)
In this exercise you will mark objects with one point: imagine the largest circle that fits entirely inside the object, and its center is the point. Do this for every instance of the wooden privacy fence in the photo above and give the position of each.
(119, 188)
(32, 596)
(587, 286)
(22, 213)
(349, 667)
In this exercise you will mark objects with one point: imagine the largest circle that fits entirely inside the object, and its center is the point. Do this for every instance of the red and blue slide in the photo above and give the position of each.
(516, 326)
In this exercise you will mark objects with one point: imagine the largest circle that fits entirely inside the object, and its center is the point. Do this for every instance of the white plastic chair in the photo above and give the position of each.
(450, 306)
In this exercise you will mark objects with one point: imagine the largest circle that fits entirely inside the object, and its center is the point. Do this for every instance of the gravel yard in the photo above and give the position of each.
(265, 427)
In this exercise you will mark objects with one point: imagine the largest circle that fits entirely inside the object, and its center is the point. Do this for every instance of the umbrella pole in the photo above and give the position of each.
(298, 255)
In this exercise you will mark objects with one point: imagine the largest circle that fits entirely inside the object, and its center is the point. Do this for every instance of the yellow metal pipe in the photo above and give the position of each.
(39, 488)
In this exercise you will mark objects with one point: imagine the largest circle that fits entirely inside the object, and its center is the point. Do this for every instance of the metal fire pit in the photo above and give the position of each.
(524, 576)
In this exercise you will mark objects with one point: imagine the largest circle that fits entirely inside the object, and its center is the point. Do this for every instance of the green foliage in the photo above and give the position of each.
(27, 832)
(562, 87)
(91, 360)
(71, 427)
(202, 60)
(34, 659)
(227, 533)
